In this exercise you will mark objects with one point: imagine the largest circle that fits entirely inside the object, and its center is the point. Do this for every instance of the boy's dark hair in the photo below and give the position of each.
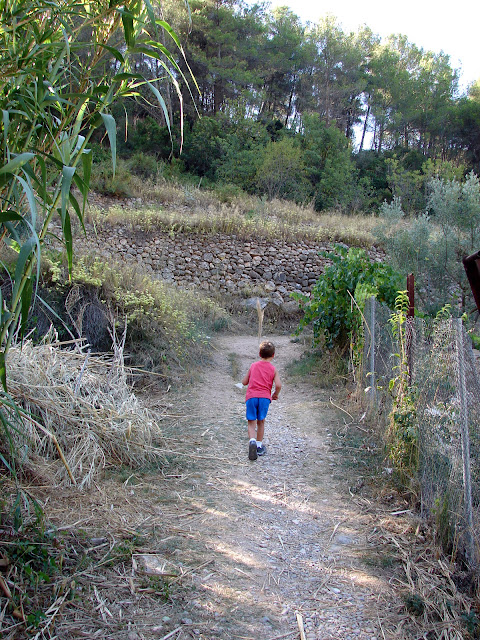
(266, 349)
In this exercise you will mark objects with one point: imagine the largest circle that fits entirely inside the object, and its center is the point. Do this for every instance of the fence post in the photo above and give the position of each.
(372, 352)
(410, 326)
(467, 486)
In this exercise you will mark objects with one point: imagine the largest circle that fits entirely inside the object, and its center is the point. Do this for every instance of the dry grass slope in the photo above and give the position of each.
(175, 209)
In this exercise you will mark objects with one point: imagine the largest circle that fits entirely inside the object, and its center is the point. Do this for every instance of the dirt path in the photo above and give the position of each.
(280, 535)
(243, 547)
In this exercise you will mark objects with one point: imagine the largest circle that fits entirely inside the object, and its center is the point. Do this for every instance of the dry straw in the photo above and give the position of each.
(78, 413)
(435, 606)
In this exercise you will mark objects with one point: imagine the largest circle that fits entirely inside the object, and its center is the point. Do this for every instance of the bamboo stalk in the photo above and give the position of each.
(53, 437)
(260, 313)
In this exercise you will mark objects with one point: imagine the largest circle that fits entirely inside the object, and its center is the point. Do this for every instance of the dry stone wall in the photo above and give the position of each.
(219, 262)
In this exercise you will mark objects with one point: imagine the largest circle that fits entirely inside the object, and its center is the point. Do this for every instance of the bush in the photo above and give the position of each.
(330, 309)
(431, 245)
(143, 165)
(282, 172)
(103, 181)
(166, 327)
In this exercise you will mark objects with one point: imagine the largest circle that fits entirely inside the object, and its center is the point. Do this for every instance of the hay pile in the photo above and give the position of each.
(77, 414)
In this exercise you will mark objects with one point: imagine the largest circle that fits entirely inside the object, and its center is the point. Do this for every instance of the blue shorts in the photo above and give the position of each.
(257, 408)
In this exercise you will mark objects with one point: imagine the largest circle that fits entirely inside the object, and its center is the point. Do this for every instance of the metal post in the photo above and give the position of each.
(372, 351)
(467, 486)
(409, 326)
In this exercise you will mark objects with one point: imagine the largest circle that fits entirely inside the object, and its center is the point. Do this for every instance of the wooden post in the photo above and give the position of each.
(411, 295)
(472, 269)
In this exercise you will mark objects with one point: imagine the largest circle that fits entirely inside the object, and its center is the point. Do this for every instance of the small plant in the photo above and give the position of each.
(35, 559)
(475, 340)
(161, 586)
(472, 623)
(444, 528)
(402, 433)
(143, 165)
(415, 604)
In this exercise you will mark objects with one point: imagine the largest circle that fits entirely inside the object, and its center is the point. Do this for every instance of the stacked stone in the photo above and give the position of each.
(219, 262)
(216, 262)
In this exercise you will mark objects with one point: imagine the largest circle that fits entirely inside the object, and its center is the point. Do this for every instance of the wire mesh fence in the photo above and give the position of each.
(444, 382)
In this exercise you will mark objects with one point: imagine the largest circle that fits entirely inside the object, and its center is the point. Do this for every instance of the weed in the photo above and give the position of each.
(414, 604)
(444, 527)
(122, 551)
(475, 340)
(402, 432)
(472, 623)
(324, 367)
(234, 365)
(34, 559)
(161, 586)
(34, 618)
(380, 560)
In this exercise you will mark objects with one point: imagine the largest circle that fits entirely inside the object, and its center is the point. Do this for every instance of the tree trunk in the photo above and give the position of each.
(289, 108)
(364, 128)
(380, 135)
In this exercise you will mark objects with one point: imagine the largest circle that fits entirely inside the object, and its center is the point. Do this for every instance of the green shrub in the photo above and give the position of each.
(143, 165)
(103, 181)
(330, 309)
(227, 193)
(146, 135)
(432, 244)
(475, 340)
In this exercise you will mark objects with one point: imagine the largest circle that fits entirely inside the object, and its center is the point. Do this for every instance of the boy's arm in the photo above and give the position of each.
(278, 386)
(246, 379)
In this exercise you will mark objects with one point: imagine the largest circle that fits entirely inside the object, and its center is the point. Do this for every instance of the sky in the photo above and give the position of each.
(434, 26)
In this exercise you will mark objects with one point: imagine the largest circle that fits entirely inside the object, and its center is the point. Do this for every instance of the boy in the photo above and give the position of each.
(260, 378)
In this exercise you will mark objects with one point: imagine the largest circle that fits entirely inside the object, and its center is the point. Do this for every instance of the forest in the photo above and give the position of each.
(306, 112)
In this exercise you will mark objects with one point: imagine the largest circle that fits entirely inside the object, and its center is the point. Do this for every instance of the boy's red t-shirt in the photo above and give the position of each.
(260, 380)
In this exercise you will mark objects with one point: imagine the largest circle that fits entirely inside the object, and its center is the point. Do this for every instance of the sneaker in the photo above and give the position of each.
(252, 451)
(261, 451)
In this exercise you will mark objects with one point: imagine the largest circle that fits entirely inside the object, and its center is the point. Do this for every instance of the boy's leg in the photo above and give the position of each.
(252, 414)
(261, 449)
(264, 404)
(252, 429)
(252, 445)
(260, 429)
